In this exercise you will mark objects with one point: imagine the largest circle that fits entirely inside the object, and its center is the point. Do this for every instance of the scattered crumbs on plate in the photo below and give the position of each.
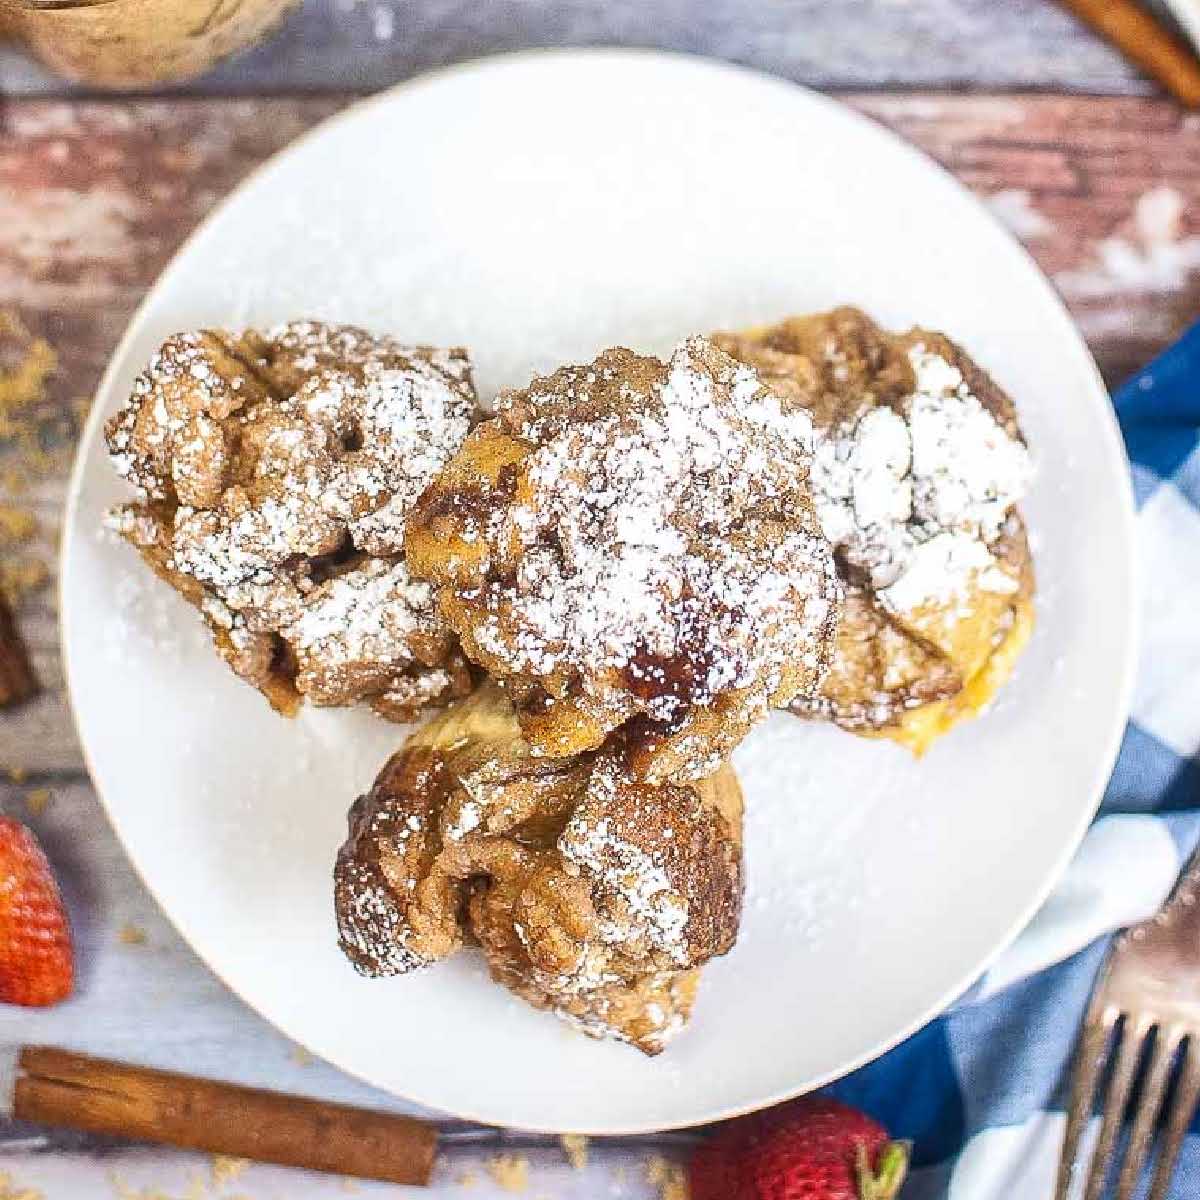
(131, 935)
(14, 1191)
(224, 1168)
(37, 799)
(300, 1056)
(510, 1172)
(668, 1177)
(468, 1179)
(575, 1147)
(348, 1184)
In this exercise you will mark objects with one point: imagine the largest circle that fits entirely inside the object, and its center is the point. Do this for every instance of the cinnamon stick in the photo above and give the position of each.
(58, 1087)
(17, 680)
(1152, 46)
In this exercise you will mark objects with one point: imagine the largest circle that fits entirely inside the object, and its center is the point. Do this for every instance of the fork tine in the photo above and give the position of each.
(1090, 1056)
(1133, 1040)
(1183, 1105)
(1153, 1091)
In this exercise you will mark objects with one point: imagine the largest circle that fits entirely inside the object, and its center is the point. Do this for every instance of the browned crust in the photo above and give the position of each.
(837, 365)
(466, 836)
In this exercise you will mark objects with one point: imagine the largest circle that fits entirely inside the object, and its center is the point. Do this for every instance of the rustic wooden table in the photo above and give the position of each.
(1097, 173)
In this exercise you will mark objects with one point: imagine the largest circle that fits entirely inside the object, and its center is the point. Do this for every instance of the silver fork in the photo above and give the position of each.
(1150, 984)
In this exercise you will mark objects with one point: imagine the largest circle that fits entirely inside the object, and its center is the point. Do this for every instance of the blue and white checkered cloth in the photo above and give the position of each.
(981, 1091)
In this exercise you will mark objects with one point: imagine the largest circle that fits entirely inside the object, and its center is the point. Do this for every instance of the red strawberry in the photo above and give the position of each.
(36, 962)
(811, 1149)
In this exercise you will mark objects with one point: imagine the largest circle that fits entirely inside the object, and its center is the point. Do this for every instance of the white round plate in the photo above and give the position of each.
(538, 208)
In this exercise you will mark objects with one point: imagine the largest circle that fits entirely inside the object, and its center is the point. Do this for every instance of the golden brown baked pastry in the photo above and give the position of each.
(631, 544)
(274, 473)
(918, 468)
(590, 894)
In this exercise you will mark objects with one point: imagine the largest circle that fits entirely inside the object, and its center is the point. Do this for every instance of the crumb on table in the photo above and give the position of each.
(668, 1177)
(225, 1168)
(37, 799)
(575, 1147)
(510, 1172)
(14, 1191)
(17, 525)
(20, 578)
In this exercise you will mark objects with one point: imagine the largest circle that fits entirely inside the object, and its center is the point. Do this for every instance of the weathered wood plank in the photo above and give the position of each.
(95, 197)
(1105, 194)
(362, 45)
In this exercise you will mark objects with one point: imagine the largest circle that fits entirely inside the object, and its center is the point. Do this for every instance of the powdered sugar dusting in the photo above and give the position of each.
(275, 474)
(914, 497)
(636, 876)
(373, 916)
(659, 1020)
(967, 471)
(376, 926)
(366, 616)
(947, 565)
(652, 542)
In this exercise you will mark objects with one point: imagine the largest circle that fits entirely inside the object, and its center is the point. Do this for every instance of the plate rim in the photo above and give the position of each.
(1102, 402)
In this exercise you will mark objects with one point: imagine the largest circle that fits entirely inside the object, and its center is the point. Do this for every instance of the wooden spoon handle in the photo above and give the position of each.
(57, 1087)
(1141, 38)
